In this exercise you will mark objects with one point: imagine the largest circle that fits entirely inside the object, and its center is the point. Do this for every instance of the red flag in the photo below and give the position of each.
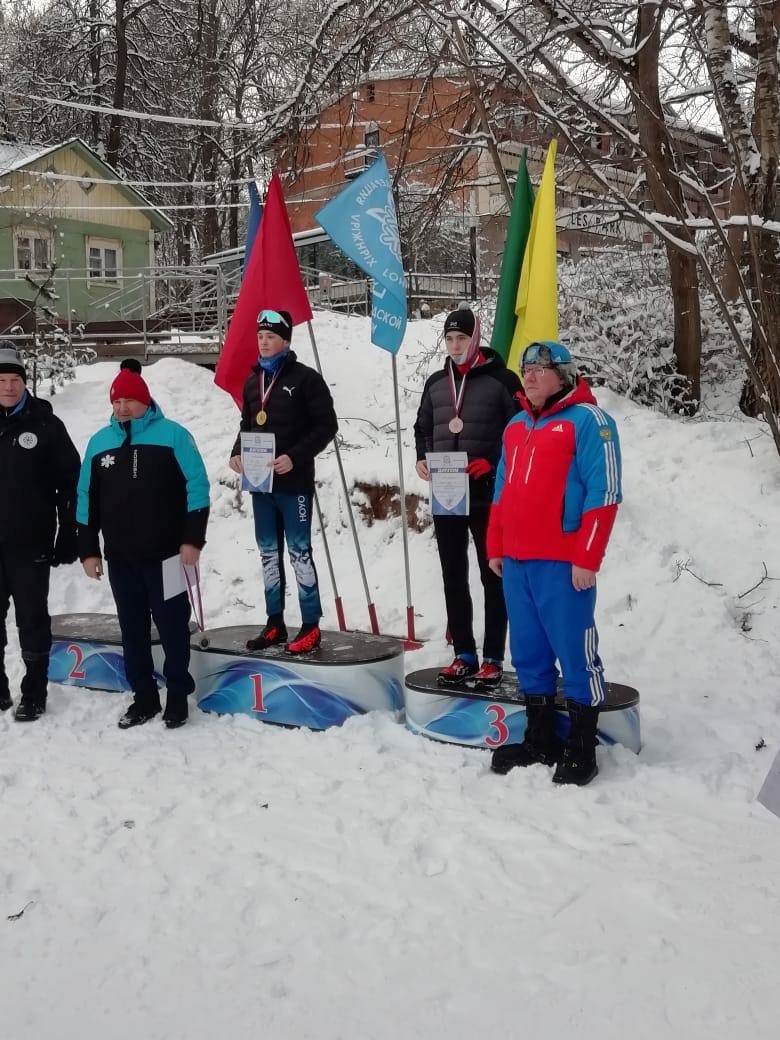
(272, 280)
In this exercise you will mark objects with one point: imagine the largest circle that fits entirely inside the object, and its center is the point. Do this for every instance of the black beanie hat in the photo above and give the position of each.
(279, 322)
(461, 320)
(10, 362)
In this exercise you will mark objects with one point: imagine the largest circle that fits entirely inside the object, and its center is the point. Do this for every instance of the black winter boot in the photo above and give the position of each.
(578, 763)
(138, 714)
(176, 711)
(274, 633)
(540, 746)
(34, 690)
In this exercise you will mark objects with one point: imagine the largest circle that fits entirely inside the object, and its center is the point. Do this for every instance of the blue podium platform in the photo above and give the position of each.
(87, 651)
(352, 672)
(466, 715)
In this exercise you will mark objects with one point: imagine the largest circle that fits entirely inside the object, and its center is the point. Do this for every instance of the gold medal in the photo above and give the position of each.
(456, 424)
(261, 418)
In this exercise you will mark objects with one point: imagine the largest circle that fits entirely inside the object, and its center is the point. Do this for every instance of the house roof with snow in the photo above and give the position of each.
(18, 155)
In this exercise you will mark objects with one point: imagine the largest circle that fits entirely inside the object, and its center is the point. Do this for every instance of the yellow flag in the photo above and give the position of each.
(537, 294)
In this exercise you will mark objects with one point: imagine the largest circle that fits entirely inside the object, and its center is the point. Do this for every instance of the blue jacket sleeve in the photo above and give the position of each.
(598, 461)
(87, 514)
(197, 481)
(599, 465)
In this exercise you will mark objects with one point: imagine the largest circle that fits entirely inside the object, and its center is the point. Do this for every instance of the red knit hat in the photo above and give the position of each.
(130, 383)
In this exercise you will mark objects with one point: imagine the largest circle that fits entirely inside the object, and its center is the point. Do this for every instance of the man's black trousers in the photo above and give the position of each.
(138, 593)
(24, 577)
(452, 539)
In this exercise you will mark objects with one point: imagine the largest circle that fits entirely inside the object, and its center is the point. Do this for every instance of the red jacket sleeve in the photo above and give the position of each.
(593, 536)
(495, 533)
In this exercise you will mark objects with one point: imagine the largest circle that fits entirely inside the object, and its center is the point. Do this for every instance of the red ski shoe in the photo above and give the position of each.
(488, 676)
(308, 639)
(456, 673)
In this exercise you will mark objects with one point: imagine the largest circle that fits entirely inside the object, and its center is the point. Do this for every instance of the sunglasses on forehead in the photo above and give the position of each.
(273, 317)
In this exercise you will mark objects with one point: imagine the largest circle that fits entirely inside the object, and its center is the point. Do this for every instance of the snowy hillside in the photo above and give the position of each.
(241, 881)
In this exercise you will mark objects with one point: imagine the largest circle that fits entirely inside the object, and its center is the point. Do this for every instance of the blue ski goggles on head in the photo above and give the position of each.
(547, 354)
(272, 318)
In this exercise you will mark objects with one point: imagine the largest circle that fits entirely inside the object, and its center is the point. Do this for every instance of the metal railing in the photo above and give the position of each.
(142, 303)
(154, 308)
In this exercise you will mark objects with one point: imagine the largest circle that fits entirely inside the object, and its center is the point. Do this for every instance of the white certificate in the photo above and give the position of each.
(177, 577)
(258, 451)
(449, 482)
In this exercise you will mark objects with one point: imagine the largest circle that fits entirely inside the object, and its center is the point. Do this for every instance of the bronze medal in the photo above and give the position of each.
(261, 418)
(456, 424)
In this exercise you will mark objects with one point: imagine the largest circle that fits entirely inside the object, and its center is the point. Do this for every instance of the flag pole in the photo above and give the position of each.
(371, 608)
(404, 519)
(339, 605)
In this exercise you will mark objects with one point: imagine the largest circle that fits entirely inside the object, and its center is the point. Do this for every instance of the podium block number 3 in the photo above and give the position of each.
(496, 714)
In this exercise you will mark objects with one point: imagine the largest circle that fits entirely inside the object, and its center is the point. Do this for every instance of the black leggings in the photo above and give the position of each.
(452, 539)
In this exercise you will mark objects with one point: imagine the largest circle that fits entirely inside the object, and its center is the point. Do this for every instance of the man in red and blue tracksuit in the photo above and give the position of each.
(558, 486)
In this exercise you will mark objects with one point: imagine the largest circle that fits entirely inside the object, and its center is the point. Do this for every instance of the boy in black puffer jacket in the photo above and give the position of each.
(465, 407)
(291, 401)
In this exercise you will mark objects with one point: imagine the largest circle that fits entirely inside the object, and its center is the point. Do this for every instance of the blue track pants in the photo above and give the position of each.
(548, 621)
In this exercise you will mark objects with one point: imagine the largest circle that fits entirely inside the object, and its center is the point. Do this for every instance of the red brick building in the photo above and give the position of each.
(430, 127)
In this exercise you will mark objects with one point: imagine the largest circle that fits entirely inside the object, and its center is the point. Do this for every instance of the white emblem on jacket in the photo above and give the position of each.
(289, 389)
(107, 460)
(27, 440)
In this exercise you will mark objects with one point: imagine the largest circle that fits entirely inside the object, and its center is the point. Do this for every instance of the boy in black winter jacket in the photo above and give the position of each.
(465, 407)
(39, 467)
(291, 401)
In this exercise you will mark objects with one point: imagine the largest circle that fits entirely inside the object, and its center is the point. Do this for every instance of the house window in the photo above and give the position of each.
(370, 93)
(371, 138)
(33, 249)
(104, 260)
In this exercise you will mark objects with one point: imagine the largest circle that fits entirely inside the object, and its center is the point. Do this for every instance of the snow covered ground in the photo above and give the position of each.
(241, 881)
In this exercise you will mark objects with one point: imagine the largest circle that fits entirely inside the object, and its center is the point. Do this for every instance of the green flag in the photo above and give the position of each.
(511, 265)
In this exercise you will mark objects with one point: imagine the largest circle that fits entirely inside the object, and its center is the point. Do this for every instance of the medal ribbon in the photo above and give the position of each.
(265, 394)
(471, 356)
(192, 593)
(457, 400)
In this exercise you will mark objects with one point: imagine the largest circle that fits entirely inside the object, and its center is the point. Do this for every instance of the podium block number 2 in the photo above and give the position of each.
(77, 672)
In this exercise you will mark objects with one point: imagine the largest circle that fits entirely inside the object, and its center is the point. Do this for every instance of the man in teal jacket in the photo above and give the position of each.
(144, 485)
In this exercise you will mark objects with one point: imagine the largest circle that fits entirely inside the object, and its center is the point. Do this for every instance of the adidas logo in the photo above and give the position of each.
(558, 428)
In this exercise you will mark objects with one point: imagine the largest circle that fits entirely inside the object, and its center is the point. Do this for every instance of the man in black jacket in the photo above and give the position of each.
(39, 467)
(465, 407)
(291, 401)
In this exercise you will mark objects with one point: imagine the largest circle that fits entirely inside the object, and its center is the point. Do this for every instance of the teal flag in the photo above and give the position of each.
(362, 222)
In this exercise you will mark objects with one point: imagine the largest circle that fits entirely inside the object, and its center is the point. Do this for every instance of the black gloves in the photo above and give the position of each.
(65, 546)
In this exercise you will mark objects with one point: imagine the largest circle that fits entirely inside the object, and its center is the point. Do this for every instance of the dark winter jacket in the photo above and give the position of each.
(143, 483)
(300, 415)
(39, 467)
(489, 403)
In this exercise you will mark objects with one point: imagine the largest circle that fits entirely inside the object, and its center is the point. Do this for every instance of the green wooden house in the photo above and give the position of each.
(62, 206)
